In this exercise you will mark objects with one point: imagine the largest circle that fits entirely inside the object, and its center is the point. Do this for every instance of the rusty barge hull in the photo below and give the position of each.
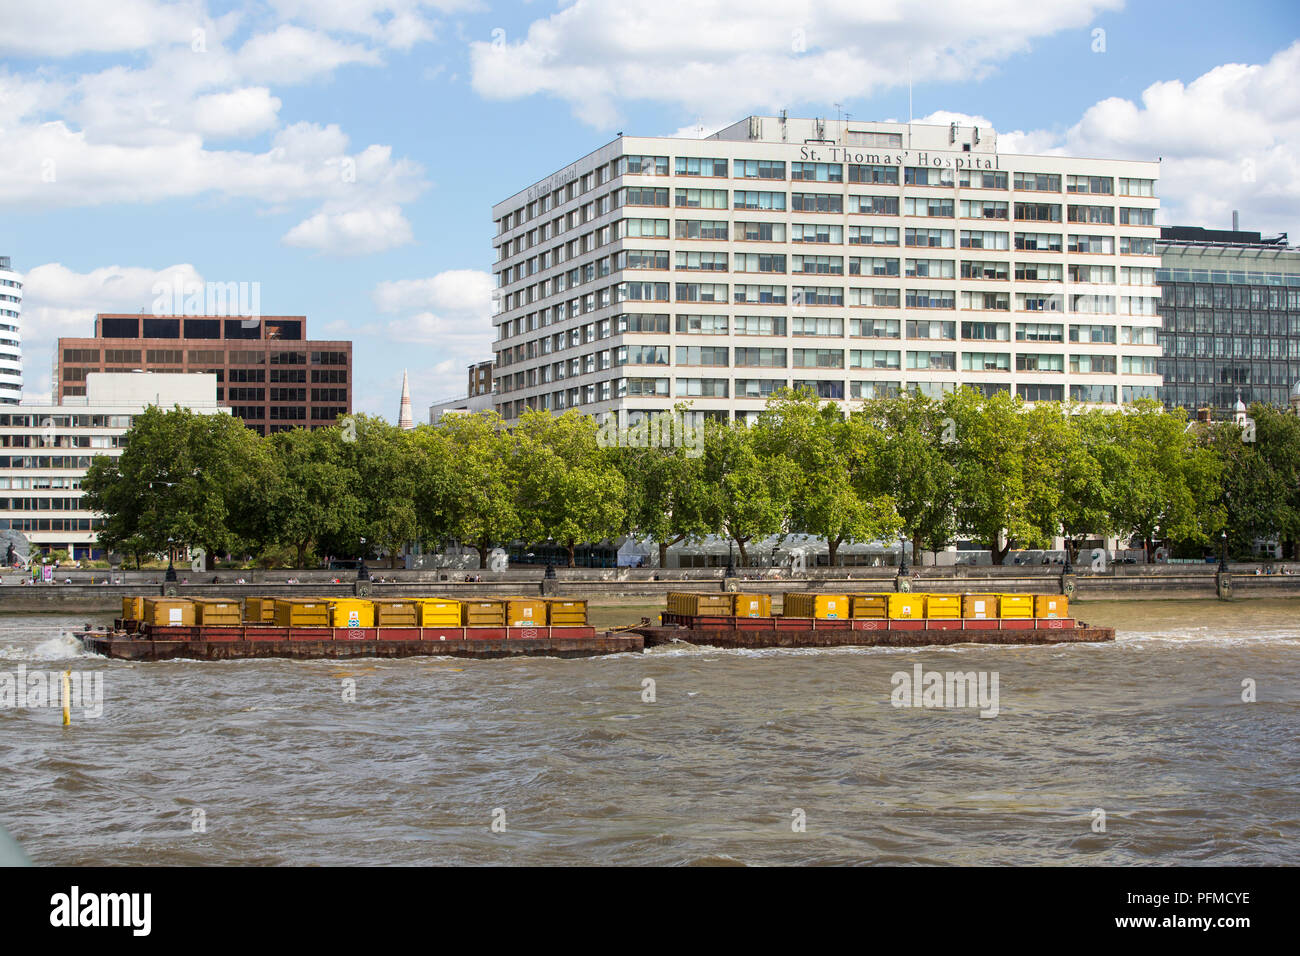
(143, 649)
(754, 639)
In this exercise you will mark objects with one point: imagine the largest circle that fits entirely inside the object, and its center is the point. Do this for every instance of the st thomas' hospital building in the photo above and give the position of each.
(858, 259)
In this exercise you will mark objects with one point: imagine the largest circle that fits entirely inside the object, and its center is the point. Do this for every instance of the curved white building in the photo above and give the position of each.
(11, 337)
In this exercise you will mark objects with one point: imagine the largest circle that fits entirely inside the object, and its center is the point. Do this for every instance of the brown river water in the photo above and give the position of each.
(769, 757)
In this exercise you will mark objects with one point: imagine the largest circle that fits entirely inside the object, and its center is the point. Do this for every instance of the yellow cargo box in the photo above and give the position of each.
(439, 612)
(1015, 605)
(827, 607)
(391, 612)
(979, 606)
(873, 607)
(352, 612)
(943, 605)
(302, 612)
(218, 611)
(565, 613)
(1051, 605)
(483, 613)
(259, 610)
(905, 607)
(711, 605)
(526, 612)
(751, 605)
(132, 608)
(168, 611)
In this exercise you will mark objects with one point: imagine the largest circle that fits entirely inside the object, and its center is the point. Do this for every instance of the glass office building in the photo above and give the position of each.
(1230, 318)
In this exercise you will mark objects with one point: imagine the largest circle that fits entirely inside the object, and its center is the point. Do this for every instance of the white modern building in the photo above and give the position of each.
(45, 451)
(858, 259)
(11, 334)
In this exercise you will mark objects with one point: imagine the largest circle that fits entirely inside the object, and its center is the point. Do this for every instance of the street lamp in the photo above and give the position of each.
(171, 571)
(1223, 553)
(362, 573)
(731, 566)
(902, 556)
(1069, 567)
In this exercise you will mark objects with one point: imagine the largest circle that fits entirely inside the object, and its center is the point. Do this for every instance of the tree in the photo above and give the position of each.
(666, 492)
(898, 449)
(1085, 486)
(313, 494)
(183, 477)
(568, 487)
(748, 493)
(830, 500)
(482, 507)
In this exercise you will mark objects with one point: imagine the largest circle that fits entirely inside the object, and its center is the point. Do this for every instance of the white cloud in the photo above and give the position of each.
(1230, 139)
(239, 113)
(739, 55)
(352, 232)
(68, 27)
(291, 55)
(462, 291)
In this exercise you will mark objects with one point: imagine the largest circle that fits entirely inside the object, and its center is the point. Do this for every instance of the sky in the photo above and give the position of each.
(345, 154)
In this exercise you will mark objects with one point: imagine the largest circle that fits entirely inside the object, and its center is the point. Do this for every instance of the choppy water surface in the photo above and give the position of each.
(1151, 729)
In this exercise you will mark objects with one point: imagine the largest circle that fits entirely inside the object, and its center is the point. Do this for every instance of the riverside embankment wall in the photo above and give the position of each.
(87, 592)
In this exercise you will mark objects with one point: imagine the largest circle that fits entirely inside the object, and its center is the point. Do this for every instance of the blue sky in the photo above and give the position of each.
(345, 153)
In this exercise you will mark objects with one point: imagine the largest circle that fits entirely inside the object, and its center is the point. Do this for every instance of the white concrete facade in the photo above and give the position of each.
(11, 334)
(45, 450)
(861, 258)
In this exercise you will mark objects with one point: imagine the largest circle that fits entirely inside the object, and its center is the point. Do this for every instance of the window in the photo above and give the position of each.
(701, 292)
(1040, 393)
(713, 355)
(645, 228)
(925, 176)
(760, 358)
(977, 269)
(941, 361)
(874, 298)
(920, 206)
(1137, 187)
(1133, 246)
(816, 232)
(874, 266)
(816, 295)
(702, 324)
(761, 231)
(760, 325)
(758, 169)
(757, 387)
(1039, 271)
(701, 198)
(931, 299)
(760, 294)
(642, 166)
(928, 329)
(640, 322)
(693, 166)
(874, 358)
(642, 291)
(700, 261)
(1095, 185)
(1039, 302)
(1038, 182)
(643, 386)
(821, 388)
(979, 179)
(870, 390)
(1093, 394)
(807, 325)
(1038, 212)
(817, 172)
(1092, 215)
(162, 328)
(885, 175)
(1040, 332)
(873, 235)
(1093, 334)
(1103, 245)
(650, 258)
(1092, 364)
(759, 262)
(816, 202)
(874, 328)
(855, 137)
(1139, 365)
(986, 301)
(1033, 362)
(1132, 216)
(1038, 241)
(82, 355)
(701, 229)
(646, 196)
(935, 238)
(751, 199)
(983, 239)
(643, 355)
(1132, 393)
(874, 205)
(817, 358)
(702, 387)
(931, 268)
(818, 265)
(983, 209)
(986, 361)
(1097, 275)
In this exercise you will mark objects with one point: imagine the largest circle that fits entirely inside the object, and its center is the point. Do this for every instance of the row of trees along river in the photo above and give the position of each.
(991, 470)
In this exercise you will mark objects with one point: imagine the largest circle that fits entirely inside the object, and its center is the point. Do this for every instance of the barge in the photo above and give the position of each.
(307, 628)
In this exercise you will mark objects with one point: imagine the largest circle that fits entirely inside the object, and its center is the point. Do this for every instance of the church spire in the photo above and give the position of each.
(404, 419)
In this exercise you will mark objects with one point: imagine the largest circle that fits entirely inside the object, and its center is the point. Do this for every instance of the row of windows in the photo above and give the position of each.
(199, 328)
(50, 524)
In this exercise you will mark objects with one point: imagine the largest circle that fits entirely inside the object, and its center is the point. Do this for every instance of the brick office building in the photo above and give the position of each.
(268, 373)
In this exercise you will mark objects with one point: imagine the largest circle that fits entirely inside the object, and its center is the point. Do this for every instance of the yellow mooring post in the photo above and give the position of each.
(67, 699)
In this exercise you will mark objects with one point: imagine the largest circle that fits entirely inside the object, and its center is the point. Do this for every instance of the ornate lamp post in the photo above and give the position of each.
(362, 573)
(731, 567)
(902, 556)
(171, 571)
(1223, 552)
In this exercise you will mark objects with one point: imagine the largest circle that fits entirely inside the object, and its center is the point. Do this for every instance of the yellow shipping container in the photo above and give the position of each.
(132, 608)
(439, 612)
(224, 612)
(391, 612)
(869, 606)
(829, 607)
(1015, 605)
(302, 612)
(903, 607)
(565, 613)
(752, 605)
(352, 612)
(690, 603)
(168, 611)
(979, 606)
(526, 612)
(483, 613)
(259, 610)
(1051, 605)
(943, 605)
